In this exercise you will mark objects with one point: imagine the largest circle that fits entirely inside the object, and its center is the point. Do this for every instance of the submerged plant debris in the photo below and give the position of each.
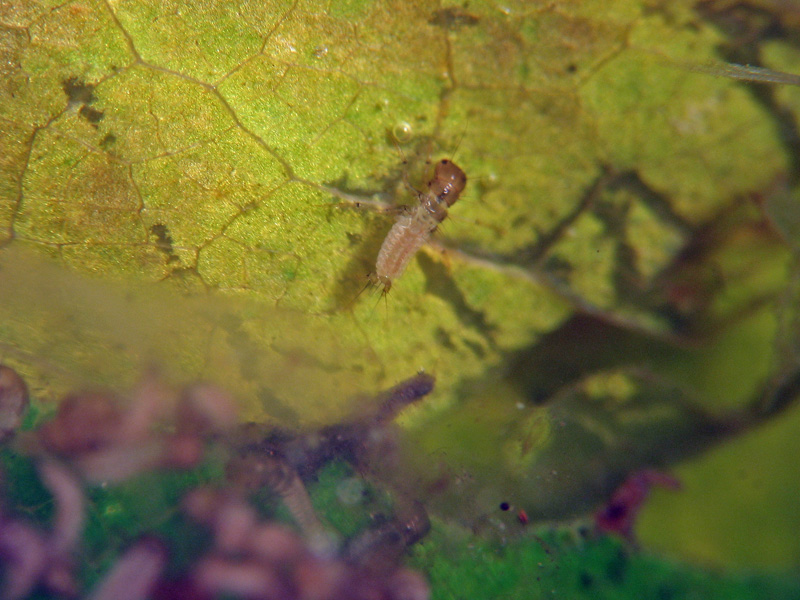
(203, 188)
(253, 512)
(95, 443)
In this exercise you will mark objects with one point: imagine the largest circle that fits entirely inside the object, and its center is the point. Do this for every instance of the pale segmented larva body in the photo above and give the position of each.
(412, 231)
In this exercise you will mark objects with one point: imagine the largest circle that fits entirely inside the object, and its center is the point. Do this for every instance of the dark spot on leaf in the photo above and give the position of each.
(164, 241)
(453, 17)
(77, 91)
(92, 115)
(572, 68)
(108, 140)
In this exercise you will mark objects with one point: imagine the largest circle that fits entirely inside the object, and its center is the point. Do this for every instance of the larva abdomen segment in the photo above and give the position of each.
(407, 236)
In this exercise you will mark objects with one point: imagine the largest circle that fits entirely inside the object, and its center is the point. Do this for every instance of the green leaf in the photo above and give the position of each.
(220, 159)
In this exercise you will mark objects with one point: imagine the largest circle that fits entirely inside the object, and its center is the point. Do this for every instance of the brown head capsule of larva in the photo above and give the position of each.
(448, 182)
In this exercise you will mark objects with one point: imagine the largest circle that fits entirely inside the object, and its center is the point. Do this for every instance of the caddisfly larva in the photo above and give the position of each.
(413, 230)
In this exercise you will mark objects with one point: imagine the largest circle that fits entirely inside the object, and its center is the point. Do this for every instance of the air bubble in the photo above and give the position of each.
(402, 132)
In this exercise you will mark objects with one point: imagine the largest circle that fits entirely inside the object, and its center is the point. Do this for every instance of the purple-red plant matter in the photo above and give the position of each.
(618, 516)
(252, 558)
(95, 437)
(33, 557)
(108, 442)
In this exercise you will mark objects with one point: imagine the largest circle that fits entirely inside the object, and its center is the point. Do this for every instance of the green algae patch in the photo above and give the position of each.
(561, 560)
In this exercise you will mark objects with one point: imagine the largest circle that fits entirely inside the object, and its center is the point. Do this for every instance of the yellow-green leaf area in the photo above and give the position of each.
(656, 118)
(738, 504)
(15, 140)
(729, 372)
(485, 295)
(645, 226)
(585, 259)
(61, 40)
(143, 127)
(294, 118)
(201, 40)
(535, 186)
(75, 195)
